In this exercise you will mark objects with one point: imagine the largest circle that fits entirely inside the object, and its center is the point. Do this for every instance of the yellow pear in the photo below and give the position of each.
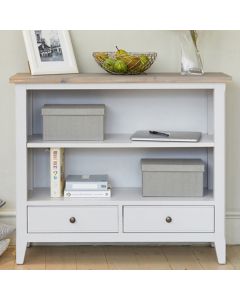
(101, 56)
(120, 53)
(133, 62)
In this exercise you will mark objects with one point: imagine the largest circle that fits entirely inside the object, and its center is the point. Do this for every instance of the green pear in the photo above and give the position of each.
(120, 66)
(144, 59)
(109, 64)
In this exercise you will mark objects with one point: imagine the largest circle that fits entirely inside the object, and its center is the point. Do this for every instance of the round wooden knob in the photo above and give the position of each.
(168, 219)
(72, 220)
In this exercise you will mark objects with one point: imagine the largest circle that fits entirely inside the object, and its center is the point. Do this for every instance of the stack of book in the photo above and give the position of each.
(87, 186)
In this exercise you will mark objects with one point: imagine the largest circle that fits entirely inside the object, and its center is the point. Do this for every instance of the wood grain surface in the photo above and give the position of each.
(121, 258)
(26, 78)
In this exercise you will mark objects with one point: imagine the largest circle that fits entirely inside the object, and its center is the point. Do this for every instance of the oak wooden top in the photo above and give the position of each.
(27, 78)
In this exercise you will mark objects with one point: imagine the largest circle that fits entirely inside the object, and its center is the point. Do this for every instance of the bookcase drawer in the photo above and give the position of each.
(73, 219)
(168, 219)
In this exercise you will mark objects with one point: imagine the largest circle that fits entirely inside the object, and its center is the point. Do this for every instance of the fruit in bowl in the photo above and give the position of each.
(120, 66)
(122, 62)
(101, 55)
(109, 63)
(120, 53)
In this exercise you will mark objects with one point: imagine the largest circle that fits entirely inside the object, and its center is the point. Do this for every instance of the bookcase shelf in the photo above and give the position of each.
(118, 141)
(120, 196)
(164, 101)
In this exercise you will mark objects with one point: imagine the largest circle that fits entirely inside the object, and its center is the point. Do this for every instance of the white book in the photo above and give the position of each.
(87, 194)
(57, 172)
(87, 182)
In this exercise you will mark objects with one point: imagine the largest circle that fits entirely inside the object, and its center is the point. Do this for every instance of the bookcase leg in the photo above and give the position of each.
(220, 248)
(20, 252)
(21, 173)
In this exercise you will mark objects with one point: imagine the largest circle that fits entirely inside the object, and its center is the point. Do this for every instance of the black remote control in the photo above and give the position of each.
(159, 133)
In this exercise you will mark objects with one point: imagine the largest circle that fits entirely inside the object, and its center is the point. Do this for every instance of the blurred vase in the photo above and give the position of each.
(191, 63)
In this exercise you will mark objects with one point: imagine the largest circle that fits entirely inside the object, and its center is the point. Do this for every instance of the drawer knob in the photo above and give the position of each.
(72, 220)
(168, 219)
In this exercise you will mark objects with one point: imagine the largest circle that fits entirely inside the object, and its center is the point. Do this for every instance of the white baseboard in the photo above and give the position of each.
(233, 228)
(232, 224)
(7, 213)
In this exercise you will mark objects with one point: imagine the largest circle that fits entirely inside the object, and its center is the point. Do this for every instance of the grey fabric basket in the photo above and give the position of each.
(72, 122)
(172, 177)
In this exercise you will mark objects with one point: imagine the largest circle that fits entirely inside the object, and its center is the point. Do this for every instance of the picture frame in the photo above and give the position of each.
(49, 52)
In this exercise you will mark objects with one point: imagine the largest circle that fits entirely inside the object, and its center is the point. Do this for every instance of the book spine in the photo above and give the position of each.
(87, 186)
(57, 172)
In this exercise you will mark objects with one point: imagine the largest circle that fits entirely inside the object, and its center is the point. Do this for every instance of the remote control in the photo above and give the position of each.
(159, 133)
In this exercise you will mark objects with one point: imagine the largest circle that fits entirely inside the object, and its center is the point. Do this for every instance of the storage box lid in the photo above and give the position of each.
(171, 165)
(73, 110)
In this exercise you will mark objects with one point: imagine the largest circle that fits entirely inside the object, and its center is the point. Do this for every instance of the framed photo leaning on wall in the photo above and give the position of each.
(50, 52)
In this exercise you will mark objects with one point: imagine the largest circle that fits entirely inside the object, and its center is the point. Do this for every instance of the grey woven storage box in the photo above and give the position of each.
(172, 177)
(73, 122)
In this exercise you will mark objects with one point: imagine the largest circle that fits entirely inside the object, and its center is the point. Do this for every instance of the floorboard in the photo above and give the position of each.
(35, 259)
(181, 258)
(61, 258)
(151, 258)
(121, 258)
(233, 256)
(208, 260)
(91, 258)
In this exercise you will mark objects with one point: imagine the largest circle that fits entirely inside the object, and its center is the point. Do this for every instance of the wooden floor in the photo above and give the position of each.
(121, 258)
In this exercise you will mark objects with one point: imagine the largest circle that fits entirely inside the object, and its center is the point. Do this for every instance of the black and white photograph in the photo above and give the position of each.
(50, 52)
(49, 45)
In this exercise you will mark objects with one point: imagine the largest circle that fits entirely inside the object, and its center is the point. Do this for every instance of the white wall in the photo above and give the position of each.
(220, 52)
